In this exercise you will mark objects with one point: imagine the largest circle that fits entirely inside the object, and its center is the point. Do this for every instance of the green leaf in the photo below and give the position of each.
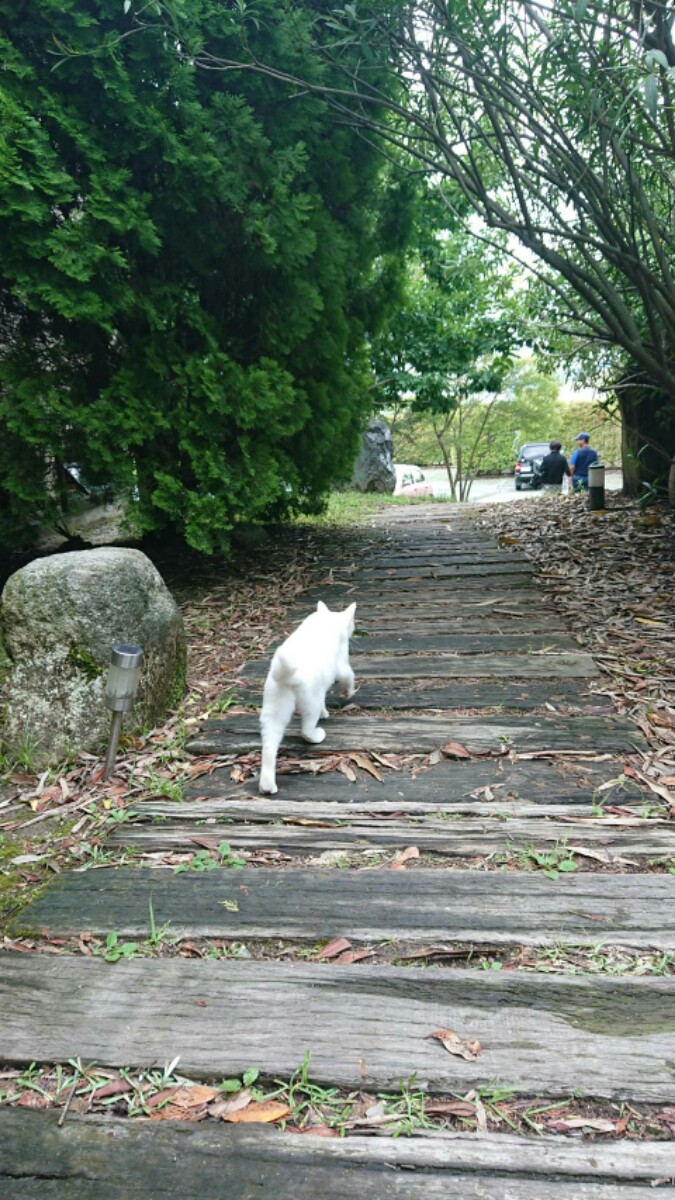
(568, 864)
(656, 56)
(250, 1076)
(230, 1085)
(651, 93)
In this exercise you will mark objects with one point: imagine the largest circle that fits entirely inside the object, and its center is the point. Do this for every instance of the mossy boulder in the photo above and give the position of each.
(60, 619)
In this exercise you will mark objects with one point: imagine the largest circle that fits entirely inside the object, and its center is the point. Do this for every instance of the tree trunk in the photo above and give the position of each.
(648, 440)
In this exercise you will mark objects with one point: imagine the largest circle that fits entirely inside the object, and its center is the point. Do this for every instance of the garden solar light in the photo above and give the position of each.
(120, 692)
(596, 487)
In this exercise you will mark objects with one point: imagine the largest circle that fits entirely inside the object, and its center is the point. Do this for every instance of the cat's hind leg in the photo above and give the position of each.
(345, 678)
(311, 708)
(277, 710)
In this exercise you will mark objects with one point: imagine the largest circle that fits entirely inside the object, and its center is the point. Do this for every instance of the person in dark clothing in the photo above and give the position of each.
(553, 467)
(581, 460)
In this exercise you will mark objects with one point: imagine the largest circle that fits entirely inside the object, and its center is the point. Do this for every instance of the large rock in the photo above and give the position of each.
(60, 617)
(374, 467)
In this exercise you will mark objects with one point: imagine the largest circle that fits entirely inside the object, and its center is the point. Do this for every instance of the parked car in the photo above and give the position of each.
(529, 459)
(410, 481)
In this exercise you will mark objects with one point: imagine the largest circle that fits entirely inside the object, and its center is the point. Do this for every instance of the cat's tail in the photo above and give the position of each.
(277, 709)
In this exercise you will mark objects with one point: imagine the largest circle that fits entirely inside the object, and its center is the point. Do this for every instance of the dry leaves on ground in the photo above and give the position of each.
(611, 575)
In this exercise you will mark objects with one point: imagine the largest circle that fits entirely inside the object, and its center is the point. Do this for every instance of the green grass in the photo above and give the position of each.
(349, 508)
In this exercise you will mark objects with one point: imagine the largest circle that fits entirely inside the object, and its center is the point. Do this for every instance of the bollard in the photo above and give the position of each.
(596, 487)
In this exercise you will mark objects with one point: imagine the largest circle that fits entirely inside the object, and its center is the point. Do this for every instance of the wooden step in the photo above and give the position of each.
(564, 782)
(479, 587)
(458, 837)
(416, 735)
(515, 667)
(480, 642)
(94, 1157)
(412, 905)
(362, 1026)
(434, 694)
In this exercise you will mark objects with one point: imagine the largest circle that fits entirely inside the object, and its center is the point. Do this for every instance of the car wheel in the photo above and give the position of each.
(518, 487)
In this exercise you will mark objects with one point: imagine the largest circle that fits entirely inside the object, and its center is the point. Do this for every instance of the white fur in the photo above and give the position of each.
(310, 661)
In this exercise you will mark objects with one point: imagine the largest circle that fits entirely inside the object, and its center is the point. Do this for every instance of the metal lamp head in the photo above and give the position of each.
(123, 677)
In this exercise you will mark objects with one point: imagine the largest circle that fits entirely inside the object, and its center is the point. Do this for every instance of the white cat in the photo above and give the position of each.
(310, 661)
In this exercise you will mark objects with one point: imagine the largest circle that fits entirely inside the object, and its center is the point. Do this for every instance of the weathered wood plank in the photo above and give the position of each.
(432, 604)
(428, 567)
(480, 666)
(448, 782)
(362, 1026)
(461, 837)
(410, 735)
(459, 568)
(501, 693)
(446, 906)
(93, 1157)
(488, 621)
(335, 593)
(265, 809)
(482, 642)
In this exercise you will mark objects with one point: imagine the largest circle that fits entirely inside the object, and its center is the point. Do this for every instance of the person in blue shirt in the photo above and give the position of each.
(581, 460)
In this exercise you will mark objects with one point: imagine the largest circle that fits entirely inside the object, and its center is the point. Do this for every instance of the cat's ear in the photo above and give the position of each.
(321, 607)
(348, 615)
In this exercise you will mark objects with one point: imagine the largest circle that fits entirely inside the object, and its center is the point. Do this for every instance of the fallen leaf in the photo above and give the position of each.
(116, 1087)
(173, 1112)
(352, 956)
(160, 1097)
(405, 856)
(454, 1044)
(450, 1108)
(263, 1111)
(347, 771)
(337, 946)
(194, 1096)
(455, 750)
(224, 1108)
(31, 1099)
(601, 1124)
(365, 765)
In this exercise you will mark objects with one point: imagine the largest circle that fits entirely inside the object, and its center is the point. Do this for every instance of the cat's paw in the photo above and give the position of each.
(317, 735)
(266, 786)
(325, 714)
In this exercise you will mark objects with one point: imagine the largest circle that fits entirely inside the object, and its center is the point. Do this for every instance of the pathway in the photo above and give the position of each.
(474, 739)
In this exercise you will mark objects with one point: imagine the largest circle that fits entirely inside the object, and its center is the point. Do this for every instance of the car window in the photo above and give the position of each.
(407, 478)
(534, 449)
(418, 477)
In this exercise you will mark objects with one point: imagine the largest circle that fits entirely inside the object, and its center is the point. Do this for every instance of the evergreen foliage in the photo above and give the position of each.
(190, 263)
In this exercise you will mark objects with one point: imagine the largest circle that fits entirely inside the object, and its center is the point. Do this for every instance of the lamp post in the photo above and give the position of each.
(596, 487)
(124, 674)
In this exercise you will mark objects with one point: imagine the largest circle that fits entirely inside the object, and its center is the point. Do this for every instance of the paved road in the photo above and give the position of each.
(501, 488)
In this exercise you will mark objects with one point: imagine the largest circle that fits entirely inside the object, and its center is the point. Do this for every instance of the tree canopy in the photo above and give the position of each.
(555, 122)
(191, 260)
